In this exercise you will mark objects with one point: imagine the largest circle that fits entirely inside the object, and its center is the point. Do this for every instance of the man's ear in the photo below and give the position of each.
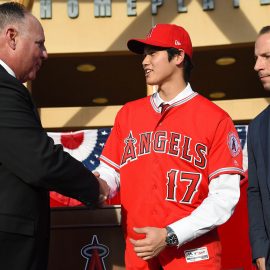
(179, 58)
(11, 37)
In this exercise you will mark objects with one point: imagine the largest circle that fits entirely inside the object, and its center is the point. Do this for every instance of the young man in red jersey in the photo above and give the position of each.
(178, 160)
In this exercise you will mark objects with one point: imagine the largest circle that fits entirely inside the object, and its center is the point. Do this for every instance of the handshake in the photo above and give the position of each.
(104, 189)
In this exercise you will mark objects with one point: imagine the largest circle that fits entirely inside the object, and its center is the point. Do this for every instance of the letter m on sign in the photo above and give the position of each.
(102, 8)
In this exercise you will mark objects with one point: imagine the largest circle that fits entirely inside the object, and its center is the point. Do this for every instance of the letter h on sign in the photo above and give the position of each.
(45, 9)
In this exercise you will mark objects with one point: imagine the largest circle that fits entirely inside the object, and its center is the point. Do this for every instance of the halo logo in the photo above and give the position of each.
(95, 253)
(233, 144)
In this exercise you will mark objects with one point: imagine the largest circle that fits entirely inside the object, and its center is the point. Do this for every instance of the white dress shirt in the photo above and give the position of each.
(7, 68)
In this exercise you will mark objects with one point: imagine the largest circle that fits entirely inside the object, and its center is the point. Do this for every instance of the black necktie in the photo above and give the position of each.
(164, 106)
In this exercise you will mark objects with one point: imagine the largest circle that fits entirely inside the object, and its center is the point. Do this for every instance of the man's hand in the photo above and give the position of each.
(104, 189)
(152, 244)
(260, 262)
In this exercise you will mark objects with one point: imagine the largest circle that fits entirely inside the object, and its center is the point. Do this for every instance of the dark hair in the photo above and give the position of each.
(187, 62)
(264, 30)
(11, 12)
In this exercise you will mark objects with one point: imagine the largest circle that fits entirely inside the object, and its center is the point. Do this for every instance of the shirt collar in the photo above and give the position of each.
(7, 68)
(183, 94)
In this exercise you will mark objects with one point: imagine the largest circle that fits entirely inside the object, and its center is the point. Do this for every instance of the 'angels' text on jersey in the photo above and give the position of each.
(174, 144)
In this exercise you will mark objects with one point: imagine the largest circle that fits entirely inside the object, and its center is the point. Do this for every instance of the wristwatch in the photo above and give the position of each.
(171, 238)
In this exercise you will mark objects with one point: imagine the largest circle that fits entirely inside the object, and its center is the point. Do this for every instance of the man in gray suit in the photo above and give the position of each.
(258, 162)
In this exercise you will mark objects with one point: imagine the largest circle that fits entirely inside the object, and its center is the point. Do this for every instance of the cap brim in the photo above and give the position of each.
(138, 45)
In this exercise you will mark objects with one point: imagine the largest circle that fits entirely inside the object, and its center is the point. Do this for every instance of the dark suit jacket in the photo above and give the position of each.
(30, 166)
(259, 185)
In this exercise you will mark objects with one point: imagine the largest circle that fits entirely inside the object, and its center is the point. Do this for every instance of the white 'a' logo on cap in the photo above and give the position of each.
(176, 42)
(151, 31)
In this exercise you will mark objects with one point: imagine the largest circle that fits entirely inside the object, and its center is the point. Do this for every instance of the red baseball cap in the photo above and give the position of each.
(163, 35)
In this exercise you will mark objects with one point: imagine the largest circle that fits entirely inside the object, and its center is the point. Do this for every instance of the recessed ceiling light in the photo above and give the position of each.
(100, 100)
(225, 61)
(217, 95)
(86, 67)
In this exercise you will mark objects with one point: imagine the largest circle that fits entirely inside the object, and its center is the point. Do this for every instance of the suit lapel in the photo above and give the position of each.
(265, 132)
(34, 108)
(23, 89)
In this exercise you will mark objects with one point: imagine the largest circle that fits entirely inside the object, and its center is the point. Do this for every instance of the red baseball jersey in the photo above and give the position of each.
(166, 161)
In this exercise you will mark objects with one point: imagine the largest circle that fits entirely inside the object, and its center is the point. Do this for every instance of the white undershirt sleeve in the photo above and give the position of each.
(111, 176)
(216, 209)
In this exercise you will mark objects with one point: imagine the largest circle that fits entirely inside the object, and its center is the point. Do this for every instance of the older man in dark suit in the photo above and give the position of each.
(30, 164)
(259, 163)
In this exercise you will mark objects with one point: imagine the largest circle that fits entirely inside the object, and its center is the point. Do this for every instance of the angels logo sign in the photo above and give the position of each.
(95, 253)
